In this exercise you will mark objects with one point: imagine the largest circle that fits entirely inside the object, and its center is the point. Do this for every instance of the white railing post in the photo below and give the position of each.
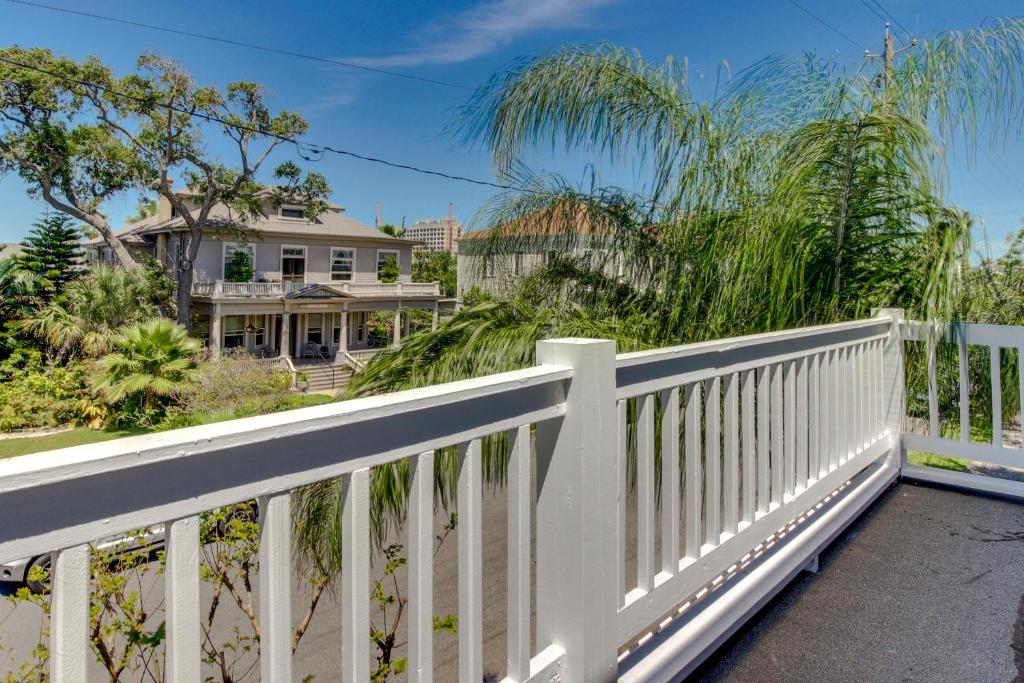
(894, 399)
(576, 513)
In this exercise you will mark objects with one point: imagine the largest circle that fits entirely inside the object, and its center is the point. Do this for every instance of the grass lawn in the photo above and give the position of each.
(943, 462)
(75, 437)
(81, 435)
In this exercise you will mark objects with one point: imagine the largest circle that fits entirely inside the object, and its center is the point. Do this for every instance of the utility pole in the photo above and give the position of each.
(888, 58)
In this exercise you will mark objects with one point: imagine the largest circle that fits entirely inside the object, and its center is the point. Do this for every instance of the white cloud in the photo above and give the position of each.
(485, 28)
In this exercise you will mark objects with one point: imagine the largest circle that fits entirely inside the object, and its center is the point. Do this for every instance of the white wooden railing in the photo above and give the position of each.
(786, 433)
(221, 288)
(997, 340)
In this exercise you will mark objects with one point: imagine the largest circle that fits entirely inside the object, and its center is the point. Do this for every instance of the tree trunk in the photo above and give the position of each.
(185, 277)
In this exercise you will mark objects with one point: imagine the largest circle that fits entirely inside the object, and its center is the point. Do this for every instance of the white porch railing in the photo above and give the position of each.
(220, 288)
(997, 341)
(790, 433)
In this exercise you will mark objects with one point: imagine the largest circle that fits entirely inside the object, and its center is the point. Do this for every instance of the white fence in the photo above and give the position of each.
(997, 340)
(769, 445)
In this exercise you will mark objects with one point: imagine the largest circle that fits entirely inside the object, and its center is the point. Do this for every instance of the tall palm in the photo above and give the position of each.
(94, 307)
(153, 360)
(800, 193)
(17, 289)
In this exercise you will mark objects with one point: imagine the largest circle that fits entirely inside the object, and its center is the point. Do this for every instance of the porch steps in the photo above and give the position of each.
(326, 377)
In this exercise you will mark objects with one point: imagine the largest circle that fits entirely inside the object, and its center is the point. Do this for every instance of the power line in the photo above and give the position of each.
(892, 17)
(238, 43)
(303, 148)
(874, 11)
(827, 25)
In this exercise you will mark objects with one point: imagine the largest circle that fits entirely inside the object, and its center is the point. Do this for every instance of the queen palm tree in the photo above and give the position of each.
(801, 192)
(153, 360)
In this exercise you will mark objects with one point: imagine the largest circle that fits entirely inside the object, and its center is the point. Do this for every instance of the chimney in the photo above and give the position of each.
(163, 205)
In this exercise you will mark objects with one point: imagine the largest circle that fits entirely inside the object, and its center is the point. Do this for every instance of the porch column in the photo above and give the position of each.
(285, 334)
(397, 340)
(433, 319)
(343, 341)
(216, 335)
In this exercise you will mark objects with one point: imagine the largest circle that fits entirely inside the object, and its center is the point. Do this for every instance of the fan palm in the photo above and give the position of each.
(93, 308)
(17, 289)
(154, 360)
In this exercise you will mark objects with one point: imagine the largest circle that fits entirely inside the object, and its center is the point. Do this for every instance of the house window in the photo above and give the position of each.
(293, 212)
(314, 328)
(517, 263)
(229, 253)
(293, 264)
(382, 258)
(234, 331)
(342, 263)
(260, 336)
(337, 330)
(489, 266)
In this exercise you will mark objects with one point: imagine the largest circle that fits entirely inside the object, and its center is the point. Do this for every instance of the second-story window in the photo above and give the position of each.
(238, 268)
(342, 264)
(293, 212)
(387, 265)
(293, 264)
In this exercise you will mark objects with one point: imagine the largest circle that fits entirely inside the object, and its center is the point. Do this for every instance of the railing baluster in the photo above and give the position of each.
(1020, 383)
(763, 431)
(802, 419)
(670, 480)
(813, 417)
(776, 409)
(873, 384)
(965, 399)
(693, 477)
(421, 567)
(645, 492)
(519, 560)
(470, 531)
(275, 606)
(857, 389)
(69, 614)
(731, 461)
(997, 396)
(825, 387)
(355, 577)
(789, 429)
(933, 400)
(749, 453)
(712, 461)
(843, 392)
(181, 604)
(621, 479)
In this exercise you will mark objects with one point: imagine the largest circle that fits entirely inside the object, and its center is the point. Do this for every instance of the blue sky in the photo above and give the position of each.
(465, 42)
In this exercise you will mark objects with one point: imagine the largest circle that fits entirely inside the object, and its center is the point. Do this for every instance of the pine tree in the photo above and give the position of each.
(51, 253)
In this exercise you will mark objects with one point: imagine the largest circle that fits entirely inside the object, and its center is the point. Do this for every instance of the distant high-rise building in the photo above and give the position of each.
(440, 234)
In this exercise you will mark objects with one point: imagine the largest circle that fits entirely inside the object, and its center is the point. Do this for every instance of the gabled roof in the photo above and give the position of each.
(318, 291)
(332, 223)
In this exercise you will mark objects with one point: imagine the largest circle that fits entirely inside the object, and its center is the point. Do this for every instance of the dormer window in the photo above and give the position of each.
(293, 213)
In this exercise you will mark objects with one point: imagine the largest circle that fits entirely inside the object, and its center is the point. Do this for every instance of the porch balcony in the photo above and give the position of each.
(651, 503)
(221, 289)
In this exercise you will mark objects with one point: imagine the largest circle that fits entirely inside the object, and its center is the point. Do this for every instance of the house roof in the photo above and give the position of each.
(331, 223)
(557, 221)
(8, 249)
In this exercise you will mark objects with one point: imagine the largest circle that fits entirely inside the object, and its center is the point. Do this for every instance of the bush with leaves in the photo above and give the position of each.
(40, 395)
(151, 364)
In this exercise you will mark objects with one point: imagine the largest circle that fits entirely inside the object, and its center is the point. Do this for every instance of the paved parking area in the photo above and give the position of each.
(927, 586)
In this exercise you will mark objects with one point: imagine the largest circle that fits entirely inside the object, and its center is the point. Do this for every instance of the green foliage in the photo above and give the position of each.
(93, 308)
(50, 254)
(391, 230)
(159, 287)
(435, 266)
(144, 208)
(239, 268)
(42, 396)
(152, 362)
(388, 271)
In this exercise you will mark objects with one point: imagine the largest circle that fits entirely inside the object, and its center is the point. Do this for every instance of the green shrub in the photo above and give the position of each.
(43, 397)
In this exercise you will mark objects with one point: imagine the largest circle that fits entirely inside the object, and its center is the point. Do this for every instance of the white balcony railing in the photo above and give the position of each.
(222, 289)
(789, 434)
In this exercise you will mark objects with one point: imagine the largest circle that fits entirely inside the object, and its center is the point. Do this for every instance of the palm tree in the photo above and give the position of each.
(800, 193)
(94, 307)
(153, 360)
(17, 289)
